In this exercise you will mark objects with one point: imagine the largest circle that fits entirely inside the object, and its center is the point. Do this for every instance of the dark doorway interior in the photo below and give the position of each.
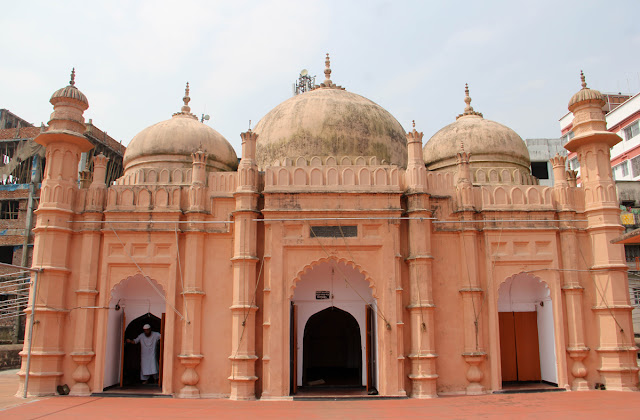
(332, 350)
(131, 359)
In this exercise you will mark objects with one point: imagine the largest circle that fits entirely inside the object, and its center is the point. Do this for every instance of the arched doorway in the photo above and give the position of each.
(527, 333)
(332, 353)
(131, 357)
(135, 301)
(333, 311)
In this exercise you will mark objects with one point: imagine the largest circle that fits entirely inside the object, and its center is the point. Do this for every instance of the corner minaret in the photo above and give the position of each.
(611, 306)
(64, 142)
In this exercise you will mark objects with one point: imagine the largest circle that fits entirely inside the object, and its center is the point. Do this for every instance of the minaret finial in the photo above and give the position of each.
(584, 83)
(468, 109)
(249, 125)
(186, 99)
(72, 82)
(414, 124)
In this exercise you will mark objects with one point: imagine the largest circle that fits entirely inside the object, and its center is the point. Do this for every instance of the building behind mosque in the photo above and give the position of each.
(338, 252)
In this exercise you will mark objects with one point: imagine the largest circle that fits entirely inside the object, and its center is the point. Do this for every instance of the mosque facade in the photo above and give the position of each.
(339, 251)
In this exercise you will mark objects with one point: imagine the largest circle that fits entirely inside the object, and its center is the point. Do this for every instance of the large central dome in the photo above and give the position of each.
(329, 121)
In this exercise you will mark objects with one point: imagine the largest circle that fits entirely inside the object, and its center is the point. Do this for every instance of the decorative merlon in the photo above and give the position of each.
(199, 157)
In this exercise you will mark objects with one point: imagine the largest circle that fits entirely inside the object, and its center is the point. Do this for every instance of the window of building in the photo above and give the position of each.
(621, 171)
(9, 209)
(628, 203)
(574, 164)
(635, 296)
(631, 130)
(567, 137)
(540, 170)
(635, 166)
(631, 252)
(6, 254)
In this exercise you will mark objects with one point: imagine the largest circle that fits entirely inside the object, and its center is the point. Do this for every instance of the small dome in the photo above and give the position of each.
(172, 142)
(586, 94)
(329, 121)
(70, 91)
(490, 144)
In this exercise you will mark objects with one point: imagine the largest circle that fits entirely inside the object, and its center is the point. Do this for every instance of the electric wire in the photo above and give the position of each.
(476, 315)
(376, 309)
(184, 303)
(147, 278)
(601, 293)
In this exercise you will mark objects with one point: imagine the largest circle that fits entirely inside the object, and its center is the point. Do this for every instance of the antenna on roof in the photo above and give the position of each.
(305, 83)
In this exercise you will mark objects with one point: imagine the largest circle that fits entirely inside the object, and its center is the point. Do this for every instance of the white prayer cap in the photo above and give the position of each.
(146, 327)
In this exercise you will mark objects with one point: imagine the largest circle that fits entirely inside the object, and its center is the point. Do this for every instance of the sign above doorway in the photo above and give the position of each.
(323, 294)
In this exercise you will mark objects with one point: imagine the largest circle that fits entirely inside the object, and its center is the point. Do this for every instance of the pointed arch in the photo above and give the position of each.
(332, 260)
(119, 287)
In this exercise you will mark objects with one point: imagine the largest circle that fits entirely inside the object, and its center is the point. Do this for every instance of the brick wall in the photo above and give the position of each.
(10, 356)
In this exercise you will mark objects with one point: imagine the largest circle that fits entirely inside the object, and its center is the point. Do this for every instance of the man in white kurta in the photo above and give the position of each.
(148, 364)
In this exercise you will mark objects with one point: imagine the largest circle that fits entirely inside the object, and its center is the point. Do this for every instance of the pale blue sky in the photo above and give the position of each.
(521, 59)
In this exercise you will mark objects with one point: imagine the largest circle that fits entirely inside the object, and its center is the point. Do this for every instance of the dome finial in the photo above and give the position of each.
(72, 82)
(585, 94)
(468, 110)
(186, 99)
(327, 70)
(186, 109)
(327, 76)
(467, 98)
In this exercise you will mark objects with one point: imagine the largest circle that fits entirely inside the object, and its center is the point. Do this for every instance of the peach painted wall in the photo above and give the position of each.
(215, 321)
(448, 279)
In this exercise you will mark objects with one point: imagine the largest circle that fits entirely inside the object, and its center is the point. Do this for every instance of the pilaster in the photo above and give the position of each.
(83, 351)
(243, 308)
(571, 286)
(190, 353)
(472, 295)
(421, 307)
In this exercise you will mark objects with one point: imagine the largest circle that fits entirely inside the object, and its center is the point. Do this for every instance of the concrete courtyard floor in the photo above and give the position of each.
(553, 405)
